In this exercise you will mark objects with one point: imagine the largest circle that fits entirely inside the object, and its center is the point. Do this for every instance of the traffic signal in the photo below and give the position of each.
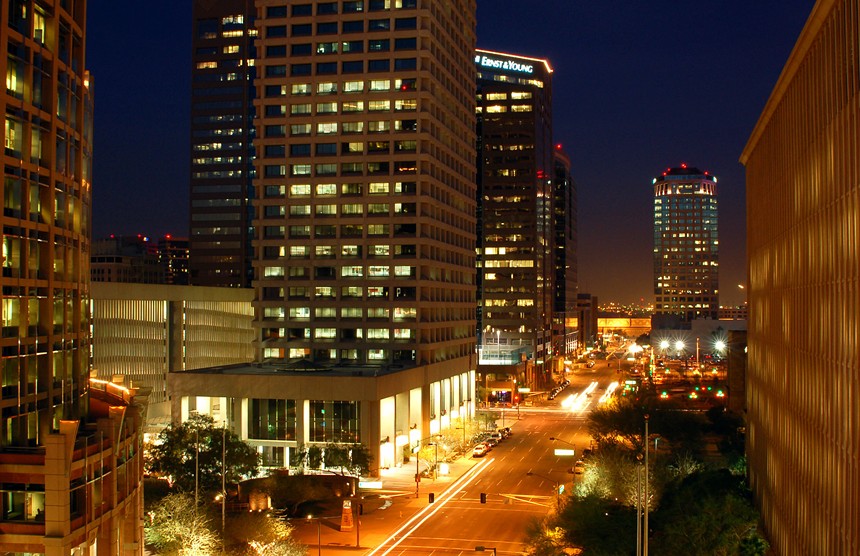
(483, 498)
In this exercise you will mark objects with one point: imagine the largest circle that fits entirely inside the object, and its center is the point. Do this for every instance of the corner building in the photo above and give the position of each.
(686, 246)
(365, 222)
(516, 264)
(803, 228)
(70, 452)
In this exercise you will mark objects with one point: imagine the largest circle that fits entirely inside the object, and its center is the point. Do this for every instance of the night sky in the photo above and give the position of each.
(638, 86)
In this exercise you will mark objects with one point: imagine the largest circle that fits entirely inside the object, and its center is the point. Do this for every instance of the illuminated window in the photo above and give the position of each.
(326, 189)
(496, 109)
(353, 106)
(353, 127)
(379, 105)
(521, 95)
(231, 49)
(353, 86)
(301, 88)
(207, 65)
(496, 96)
(380, 85)
(326, 88)
(326, 128)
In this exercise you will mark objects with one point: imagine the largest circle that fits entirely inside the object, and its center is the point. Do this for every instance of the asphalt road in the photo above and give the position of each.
(520, 477)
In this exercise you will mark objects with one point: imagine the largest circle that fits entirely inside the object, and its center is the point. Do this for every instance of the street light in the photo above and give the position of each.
(554, 439)
(485, 548)
(319, 534)
(555, 485)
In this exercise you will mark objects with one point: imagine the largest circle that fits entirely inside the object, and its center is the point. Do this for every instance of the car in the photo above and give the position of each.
(498, 436)
(491, 442)
(507, 431)
(578, 468)
(589, 365)
(480, 450)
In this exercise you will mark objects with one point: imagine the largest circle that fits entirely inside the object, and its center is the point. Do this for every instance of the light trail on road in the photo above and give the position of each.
(427, 512)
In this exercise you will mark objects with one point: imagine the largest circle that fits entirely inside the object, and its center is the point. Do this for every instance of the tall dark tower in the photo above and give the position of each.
(516, 268)
(222, 150)
(686, 247)
(564, 215)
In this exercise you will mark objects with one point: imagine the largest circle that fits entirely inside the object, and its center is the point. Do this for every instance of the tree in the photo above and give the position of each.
(708, 513)
(260, 534)
(353, 459)
(195, 447)
(177, 526)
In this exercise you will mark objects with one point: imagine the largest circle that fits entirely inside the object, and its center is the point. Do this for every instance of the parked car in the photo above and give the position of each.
(497, 436)
(480, 450)
(578, 468)
(491, 442)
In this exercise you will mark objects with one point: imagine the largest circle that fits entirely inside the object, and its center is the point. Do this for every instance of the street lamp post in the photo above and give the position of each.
(555, 486)
(223, 483)
(319, 534)
(554, 439)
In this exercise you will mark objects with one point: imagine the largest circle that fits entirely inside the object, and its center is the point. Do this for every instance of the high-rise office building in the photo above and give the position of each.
(566, 338)
(222, 151)
(686, 247)
(70, 448)
(172, 255)
(365, 196)
(803, 228)
(516, 265)
(365, 232)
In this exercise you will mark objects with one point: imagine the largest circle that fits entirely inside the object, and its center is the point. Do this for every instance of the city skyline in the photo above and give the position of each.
(618, 113)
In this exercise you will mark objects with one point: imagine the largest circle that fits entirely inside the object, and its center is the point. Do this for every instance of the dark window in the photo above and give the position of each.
(326, 68)
(274, 110)
(326, 8)
(300, 69)
(353, 26)
(378, 65)
(275, 151)
(405, 23)
(276, 11)
(404, 64)
(206, 28)
(274, 91)
(406, 44)
(300, 150)
(352, 67)
(378, 5)
(276, 71)
(302, 9)
(379, 25)
(326, 148)
(303, 49)
(408, 4)
(352, 7)
(379, 45)
(276, 50)
(326, 28)
(275, 131)
(276, 31)
(302, 30)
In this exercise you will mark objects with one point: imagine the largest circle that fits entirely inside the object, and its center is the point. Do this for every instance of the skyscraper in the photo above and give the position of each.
(565, 245)
(70, 463)
(222, 152)
(365, 197)
(686, 247)
(516, 267)
(803, 230)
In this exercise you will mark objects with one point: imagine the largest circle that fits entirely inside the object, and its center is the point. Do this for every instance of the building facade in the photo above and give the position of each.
(70, 448)
(129, 259)
(142, 332)
(516, 264)
(686, 246)
(803, 228)
(566, 337)
(364, 230)
(222, 149)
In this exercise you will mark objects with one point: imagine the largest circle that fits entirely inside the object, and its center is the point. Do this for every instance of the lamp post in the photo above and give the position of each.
(319, 534)
(223, 483)
(645, 527)
(554, 439)
(555, 485)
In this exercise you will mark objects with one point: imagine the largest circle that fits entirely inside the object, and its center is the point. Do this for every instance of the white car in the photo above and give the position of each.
(480, 450)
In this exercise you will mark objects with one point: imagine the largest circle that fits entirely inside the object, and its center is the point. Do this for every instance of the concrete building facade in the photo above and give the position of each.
(803, 228)
(364, 231)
